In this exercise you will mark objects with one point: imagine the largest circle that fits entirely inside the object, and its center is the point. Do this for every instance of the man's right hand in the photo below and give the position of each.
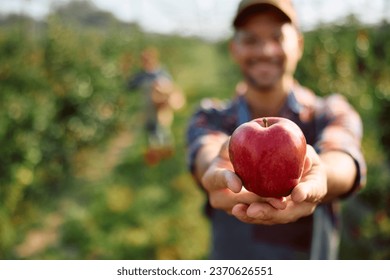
(225, 188)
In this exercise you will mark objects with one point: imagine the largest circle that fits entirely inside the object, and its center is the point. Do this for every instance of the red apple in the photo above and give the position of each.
(268, 154)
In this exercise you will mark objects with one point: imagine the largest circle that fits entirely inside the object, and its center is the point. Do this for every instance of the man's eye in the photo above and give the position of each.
(278, 37)
(249, 41)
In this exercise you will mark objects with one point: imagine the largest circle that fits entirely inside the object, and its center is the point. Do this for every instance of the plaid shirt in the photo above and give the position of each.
(328, 124)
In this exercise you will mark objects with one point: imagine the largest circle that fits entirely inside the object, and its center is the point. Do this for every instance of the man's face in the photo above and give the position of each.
(149, 61)
(267, 49)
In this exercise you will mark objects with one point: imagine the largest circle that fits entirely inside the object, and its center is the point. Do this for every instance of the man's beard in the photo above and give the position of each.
(254, 84)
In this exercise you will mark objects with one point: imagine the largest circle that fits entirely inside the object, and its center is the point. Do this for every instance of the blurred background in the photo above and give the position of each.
(73, 180)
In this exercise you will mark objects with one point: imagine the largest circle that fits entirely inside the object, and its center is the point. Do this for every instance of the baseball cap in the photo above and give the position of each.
(247, 6)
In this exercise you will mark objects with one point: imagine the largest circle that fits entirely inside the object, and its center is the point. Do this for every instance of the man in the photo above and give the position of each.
(267, 46)
(162, 98)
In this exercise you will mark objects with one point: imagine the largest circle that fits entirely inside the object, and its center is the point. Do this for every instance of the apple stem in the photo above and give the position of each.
(265, 121)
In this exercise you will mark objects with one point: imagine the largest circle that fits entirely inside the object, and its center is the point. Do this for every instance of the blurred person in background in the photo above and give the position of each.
(267, 46)
(161, 98)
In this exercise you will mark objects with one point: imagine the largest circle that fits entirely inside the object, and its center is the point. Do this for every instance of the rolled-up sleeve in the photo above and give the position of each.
(213, 117)
(343, 131)
(203, 122)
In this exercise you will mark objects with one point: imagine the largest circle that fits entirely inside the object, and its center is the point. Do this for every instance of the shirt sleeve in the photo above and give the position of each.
(207, 120)
(343, 131)
(202, 123)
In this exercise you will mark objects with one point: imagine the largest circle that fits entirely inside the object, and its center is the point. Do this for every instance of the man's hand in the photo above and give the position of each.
(302, 202)
(225, 188)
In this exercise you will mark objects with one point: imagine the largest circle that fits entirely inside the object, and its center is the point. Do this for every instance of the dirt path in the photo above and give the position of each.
(94, 164)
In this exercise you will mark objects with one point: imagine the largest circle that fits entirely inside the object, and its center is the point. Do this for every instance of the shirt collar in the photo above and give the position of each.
(243, 111)
(290, 106)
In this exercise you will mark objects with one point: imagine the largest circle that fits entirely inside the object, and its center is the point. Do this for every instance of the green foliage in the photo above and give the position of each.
(353, 60)
(74, 183)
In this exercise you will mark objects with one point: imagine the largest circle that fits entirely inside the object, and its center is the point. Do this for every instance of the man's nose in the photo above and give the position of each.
(267, 48)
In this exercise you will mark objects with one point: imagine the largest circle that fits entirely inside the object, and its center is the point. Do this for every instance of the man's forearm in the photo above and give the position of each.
(209, 151)
(341, 173)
